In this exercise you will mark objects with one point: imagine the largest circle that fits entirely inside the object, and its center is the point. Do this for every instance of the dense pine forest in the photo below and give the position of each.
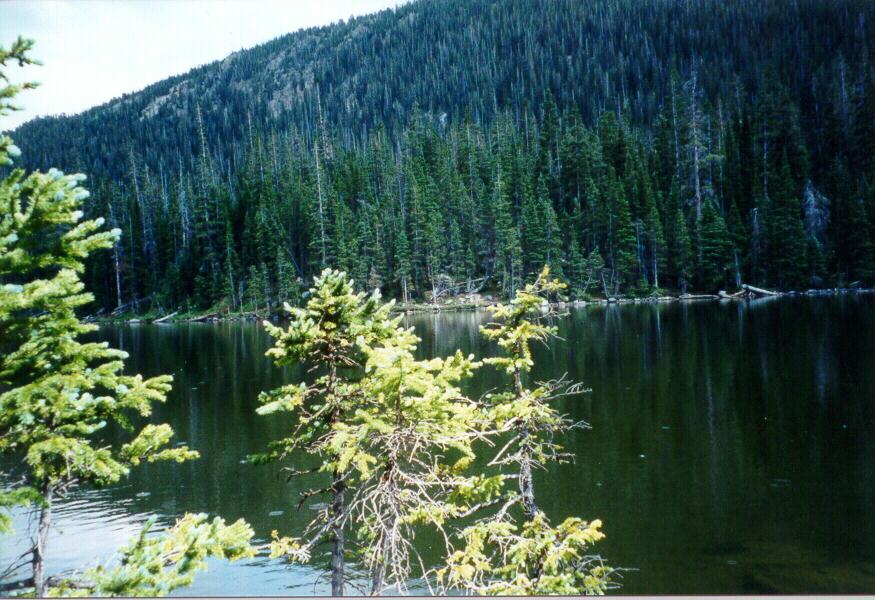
(451, 147)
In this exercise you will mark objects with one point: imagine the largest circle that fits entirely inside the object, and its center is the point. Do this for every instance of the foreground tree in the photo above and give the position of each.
(158, 565)
(499, 556)
(394, 433)
(60, 395)
(413, 439)
(328, 335)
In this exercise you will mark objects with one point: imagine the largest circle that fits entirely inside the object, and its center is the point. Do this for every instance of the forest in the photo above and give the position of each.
(522, 151)
(630, 159)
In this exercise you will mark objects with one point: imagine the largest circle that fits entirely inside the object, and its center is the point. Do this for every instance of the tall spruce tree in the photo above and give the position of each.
(715, 249)
(785, 235)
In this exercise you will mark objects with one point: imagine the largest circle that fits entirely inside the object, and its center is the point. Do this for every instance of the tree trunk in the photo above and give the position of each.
(527, 487)
(42, 538)
(379, 576)
(337, 558)
(655, 269)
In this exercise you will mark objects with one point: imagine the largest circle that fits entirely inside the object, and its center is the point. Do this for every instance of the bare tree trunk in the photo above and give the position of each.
(337, 557)
(42, 538)
(527, 486)
(737, 268)
(115, 257)
(655, 269)
(321, 210)
(379, 577)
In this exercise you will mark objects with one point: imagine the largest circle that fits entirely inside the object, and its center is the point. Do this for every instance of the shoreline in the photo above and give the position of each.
(745, 294)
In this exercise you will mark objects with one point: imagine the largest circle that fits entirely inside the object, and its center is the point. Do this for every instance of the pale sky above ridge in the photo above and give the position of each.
(96, 50)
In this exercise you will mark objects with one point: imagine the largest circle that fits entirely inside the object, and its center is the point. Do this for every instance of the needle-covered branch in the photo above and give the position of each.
(155, 565)
(497, 556)
(59, 395)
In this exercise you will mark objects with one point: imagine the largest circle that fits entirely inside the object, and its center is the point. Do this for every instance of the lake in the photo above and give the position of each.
(731, 449)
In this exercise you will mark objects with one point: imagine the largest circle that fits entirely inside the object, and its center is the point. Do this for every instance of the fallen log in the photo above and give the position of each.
(726, 296)
(166, 317)
(759, 291)
(698, 297)
(203, 317)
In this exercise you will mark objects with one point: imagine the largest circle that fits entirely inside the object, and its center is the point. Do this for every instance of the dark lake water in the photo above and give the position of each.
(732, 447)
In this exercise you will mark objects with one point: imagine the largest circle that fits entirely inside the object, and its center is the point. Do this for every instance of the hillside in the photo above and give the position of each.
(473, 57)
(450, 146)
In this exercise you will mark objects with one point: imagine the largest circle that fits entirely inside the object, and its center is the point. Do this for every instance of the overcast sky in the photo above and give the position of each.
(95, 50)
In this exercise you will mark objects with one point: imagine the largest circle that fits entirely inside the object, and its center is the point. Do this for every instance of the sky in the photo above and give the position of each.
(96, 50)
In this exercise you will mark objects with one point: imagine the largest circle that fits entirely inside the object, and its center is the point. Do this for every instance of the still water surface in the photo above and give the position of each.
(732, 447)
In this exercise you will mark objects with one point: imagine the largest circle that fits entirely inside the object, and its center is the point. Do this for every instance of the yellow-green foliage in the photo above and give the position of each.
(518, 324)
(16, 53)
(526, 410)
(330, 334)
(59, 394)
(396, 431)
(499, 560)
(409, 444)
(497, 556)
(158, 564)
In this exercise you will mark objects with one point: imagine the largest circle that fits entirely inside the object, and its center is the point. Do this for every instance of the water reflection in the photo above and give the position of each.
(731, 447)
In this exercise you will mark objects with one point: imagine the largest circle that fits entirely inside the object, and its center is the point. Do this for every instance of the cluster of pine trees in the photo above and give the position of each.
(447, 146)
(711, 196)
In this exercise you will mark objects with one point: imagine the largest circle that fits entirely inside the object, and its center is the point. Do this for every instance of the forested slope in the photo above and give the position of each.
(448, 145)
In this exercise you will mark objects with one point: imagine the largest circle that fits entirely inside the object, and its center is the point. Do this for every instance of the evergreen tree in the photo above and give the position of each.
(715, 249)
(785, 236)
(861, 243)
(500, 557)
(680, 250)
(330, 333)
(60, 394)
(412, 419)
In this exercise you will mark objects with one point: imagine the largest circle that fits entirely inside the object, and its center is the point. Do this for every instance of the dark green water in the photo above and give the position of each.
(732, 447)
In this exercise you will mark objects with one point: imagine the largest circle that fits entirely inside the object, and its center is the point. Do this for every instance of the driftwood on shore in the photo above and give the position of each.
(166, 317)
(475, 301)
(697, 297)
(205, 317)
(759, 291)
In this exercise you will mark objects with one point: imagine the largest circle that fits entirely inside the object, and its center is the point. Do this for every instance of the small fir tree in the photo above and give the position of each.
(500, 557)
(329, 334)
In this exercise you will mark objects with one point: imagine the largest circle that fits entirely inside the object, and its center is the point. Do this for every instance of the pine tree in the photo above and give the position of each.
(654, 240)
(623, 255)
(533, 229)
(59, 394)
(785, 236)
(408, 446)
(402, 262)
(330, 333)
(500, 557)
(861, 259)
(508, 248)
(680, 250)
(715, 249)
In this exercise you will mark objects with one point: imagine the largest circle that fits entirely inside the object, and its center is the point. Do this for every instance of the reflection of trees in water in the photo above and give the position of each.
(725, 401)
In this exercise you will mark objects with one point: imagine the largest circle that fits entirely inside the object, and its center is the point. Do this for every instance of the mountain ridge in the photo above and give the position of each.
(477, 57)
